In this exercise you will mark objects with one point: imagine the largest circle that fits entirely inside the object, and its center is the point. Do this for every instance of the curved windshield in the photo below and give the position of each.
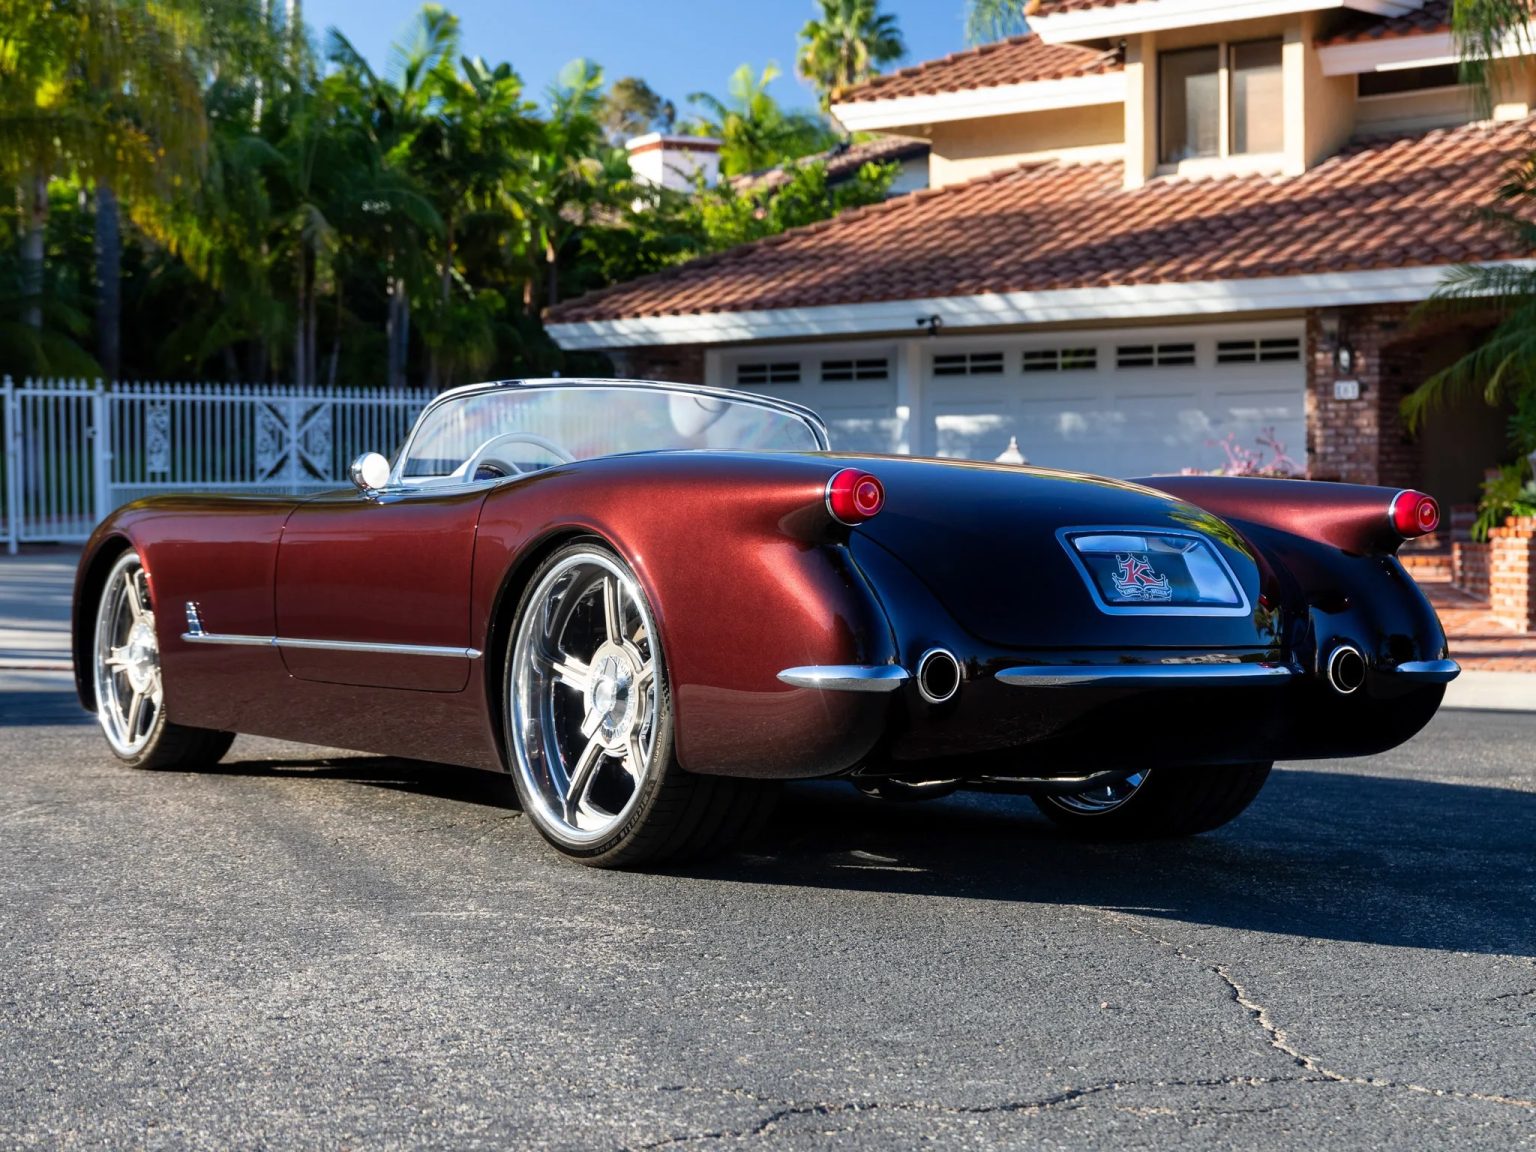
(501, 431)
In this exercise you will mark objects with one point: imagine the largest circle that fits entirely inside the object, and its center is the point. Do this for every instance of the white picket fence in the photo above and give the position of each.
(75, 450)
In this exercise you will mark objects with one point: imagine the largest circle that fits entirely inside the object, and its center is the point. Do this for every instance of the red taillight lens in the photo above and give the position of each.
(854, 496)
(1414, 514)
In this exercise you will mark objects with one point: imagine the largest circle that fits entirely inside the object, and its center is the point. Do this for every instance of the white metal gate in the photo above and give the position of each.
(75, 450)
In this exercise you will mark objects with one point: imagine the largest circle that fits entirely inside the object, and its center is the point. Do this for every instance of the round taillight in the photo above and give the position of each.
(1414, 514)
(854, 496)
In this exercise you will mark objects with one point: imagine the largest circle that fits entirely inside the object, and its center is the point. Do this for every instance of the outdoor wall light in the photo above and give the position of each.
(1345, 362)
(932, 323)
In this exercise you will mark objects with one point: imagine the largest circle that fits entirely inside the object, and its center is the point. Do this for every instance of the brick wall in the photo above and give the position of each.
(679, 363)
(1512, 573)
(1469, 568)
(1362, 441)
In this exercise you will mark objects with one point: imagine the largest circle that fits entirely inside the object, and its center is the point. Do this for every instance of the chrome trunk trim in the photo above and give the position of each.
(1144, 675)
(1426, 671)
(847, 677)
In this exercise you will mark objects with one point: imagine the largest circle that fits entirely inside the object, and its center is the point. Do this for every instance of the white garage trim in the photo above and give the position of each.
(974, 103)
(1209, 298)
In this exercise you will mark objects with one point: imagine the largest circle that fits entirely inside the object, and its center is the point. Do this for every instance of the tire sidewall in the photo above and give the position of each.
(145, 756)
(661, 761)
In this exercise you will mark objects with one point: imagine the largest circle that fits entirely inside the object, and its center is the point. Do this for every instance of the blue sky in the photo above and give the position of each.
(668, 42)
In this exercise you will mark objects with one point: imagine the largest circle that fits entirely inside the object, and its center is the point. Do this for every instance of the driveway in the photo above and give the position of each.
(305, 949)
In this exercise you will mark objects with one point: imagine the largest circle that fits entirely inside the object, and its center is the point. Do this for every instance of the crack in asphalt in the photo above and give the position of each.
(1281, 1042)
(787, 1110)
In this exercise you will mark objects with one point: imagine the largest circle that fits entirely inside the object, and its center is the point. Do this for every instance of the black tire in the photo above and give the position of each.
(130, 692)
(1168, 802)
(667, 815)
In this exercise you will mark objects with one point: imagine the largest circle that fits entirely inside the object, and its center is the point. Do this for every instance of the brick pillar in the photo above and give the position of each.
(1361, 441)
(678, 363)
(1512, 573)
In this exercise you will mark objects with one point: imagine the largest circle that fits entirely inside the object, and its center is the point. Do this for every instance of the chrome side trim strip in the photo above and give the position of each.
(847, 677)
(329, 645)
(1144, 675)
(1427, 671)
(195, 634)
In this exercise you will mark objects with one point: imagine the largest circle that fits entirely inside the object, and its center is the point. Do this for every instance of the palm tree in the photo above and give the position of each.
(1502, 369)
(990, 20)
(851, 41)
(755, 132)
(105, 90)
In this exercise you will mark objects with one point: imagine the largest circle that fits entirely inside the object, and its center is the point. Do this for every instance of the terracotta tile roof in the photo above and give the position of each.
(1434, 16)
(844, 160)
(1017, 60)
(1385, 203)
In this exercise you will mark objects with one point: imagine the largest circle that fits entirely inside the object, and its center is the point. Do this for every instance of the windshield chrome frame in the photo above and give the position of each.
(800, 412)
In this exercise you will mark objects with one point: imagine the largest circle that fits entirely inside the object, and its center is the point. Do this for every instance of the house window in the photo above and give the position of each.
(1258, 94)
(1398, 81)
(841, 370)
(1155, 356)
(765, 372)
(969, 364)
(1060, 359)
(1221, 100)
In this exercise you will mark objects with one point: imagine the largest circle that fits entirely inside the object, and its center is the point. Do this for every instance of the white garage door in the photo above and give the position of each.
(854, 391)
(1132, 404)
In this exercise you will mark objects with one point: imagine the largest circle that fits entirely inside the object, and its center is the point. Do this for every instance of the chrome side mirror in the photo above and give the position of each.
(370, 472)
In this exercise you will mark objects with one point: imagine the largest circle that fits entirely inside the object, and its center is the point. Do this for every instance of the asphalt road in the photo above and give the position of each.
(307, 949)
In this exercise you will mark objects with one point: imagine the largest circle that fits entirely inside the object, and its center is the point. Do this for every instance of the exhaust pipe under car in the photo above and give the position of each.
(1345, 669)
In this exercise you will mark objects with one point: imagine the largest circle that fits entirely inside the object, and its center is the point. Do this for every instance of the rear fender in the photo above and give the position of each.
(745, 576)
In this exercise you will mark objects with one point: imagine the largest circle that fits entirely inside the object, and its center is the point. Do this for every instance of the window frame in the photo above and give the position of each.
(1226, 123)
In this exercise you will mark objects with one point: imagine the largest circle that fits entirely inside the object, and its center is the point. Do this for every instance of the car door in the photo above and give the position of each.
(374, 590)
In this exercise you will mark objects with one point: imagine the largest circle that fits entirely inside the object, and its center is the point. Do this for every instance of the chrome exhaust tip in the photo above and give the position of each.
(1345, 669)
(938, 675)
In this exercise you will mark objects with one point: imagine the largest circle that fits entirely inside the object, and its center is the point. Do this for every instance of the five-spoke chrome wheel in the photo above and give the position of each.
(585, 683)
(1102, 799)
(129, 690)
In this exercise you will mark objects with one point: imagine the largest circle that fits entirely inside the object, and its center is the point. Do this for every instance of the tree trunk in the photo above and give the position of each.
(397, 332)
(300, 318)
(109, 283)
(312, 334)
(552, 275)
(34, 195)
(330, 372)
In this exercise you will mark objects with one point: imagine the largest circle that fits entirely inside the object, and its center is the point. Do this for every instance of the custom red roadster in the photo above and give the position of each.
(651, 602)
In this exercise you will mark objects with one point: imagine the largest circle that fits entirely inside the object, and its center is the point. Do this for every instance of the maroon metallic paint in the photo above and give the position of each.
(1351, 517)
(734, 608)
(393, 570)
(747, 574)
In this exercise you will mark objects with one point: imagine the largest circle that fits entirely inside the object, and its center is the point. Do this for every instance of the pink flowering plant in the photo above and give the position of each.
(1267, 459)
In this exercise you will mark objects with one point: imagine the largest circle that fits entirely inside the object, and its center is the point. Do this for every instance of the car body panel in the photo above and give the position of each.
(776, 620)
(387, 570)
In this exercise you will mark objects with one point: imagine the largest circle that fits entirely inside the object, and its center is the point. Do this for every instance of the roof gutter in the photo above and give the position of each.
(1205, 298)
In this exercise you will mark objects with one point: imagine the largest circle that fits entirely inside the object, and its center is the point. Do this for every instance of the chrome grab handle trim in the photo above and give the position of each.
(196, 635)
(847, 677)
(1426, 671)
(1143, 675)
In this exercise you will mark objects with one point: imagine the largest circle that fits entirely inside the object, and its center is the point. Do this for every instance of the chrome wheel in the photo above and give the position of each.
(129, 690)
(584, 690)
(1106, 798)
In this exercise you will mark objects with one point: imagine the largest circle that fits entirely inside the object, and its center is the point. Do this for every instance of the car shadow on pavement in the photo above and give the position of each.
(442, 781)
(1376, 860)
(1321, 854)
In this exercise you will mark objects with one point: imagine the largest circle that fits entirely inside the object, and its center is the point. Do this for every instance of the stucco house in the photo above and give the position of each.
(1151, 226)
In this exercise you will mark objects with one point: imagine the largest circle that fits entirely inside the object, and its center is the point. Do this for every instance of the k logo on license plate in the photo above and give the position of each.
(1136, 580)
